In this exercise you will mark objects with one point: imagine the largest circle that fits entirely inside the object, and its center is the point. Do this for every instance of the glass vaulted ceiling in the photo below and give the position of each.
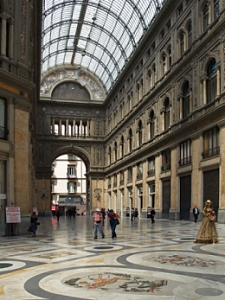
(99, 35)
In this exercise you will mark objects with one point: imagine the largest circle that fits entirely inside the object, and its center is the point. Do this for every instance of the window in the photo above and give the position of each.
(130, 140)
(121, 178)
(139, 131)
(114, 180)
(154, 74)
(166, 113)
(122, 146)
(185, 153)
(129, 174)
(180, 10)
(186, 100)
(166, 160)
(139, 171)
(71, 171)
(164, 64)
(2, 118)
(150, 78)
(205, 17)
(189, 29)
(109, 182)
(151, 166)
(115, 151)
(152, 124)
(211, 143)
(211, 84)
(110, 156)
(216, 9)
(71, 157)
(182, 43)
(71, 187)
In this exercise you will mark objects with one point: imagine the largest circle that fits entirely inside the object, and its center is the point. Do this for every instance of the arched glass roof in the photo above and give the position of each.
(99, 35)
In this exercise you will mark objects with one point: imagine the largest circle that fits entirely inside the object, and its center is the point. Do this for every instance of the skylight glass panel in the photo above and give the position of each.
(73, 28)
(118, 24)
(68, 57)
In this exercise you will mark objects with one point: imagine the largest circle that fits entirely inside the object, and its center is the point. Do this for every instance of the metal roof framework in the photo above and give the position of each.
(98, 35)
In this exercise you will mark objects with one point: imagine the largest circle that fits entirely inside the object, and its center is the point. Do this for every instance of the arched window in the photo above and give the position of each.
(122, 146)
(130, 138)
(189, 29)
(139, 130)
(211, 84)
(166, 113)
(186, 100)
(152, 124)
(205, 17)
(115, 151)
(182, 43)
(216, 9)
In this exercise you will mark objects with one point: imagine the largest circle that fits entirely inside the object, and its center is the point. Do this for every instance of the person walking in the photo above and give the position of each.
(33, 223)
(113, 221)
(58, 214)
(152, 215)
(195, 213)
(97, 223)
(132, 214)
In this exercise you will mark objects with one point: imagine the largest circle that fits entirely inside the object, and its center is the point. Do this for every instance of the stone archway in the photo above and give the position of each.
(44, 176)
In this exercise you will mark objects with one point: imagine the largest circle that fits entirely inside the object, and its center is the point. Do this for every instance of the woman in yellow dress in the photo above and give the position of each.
(207, 232)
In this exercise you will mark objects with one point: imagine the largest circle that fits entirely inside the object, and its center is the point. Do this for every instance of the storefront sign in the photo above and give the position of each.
(2, 196)
(13, 214)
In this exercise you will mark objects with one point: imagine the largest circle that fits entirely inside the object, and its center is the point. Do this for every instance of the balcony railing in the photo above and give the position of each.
(165, 167)
(139, 176)
(211, 152)
(129, 179)
(151, 172)
(185, 161)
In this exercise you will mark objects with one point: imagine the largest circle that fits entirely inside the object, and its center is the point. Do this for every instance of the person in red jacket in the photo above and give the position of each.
(113, 221)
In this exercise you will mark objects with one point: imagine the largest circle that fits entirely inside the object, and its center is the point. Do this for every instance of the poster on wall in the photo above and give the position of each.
(13, 214)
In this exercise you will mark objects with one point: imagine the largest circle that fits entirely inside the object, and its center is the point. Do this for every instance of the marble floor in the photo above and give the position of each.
(145, 261)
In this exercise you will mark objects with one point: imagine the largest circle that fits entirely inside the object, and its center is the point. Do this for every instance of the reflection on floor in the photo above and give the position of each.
(145, 261)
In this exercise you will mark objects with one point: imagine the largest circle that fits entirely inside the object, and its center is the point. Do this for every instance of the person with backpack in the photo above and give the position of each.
(113, 221)
(97, 223)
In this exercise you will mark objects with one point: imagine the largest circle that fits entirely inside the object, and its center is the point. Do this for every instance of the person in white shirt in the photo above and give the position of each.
(97, 223)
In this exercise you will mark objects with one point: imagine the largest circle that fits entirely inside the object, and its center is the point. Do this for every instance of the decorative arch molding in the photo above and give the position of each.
(72, 150)
(81, 76)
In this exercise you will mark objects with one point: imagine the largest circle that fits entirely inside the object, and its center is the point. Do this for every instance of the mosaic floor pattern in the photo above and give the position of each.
(147, 261)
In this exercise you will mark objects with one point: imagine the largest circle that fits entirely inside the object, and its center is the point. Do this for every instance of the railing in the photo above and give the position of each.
(185, 161)
(165, 168)
(129, 179)
(151, 172)
(211, 152)
(139, 176)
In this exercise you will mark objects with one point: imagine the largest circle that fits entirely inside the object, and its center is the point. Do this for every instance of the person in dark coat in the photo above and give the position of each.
(195, 213)
(33, 223)
(152, 215)
(58, 214)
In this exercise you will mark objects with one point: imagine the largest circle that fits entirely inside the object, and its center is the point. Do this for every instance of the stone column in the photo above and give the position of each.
(53, 126)
(67, 128)
(196, 178)
(158, 185)
(11, 39)
(3, 41)
(221, 211)
(60, 127)
(80, 128)
(218, 82)
(175, 205)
